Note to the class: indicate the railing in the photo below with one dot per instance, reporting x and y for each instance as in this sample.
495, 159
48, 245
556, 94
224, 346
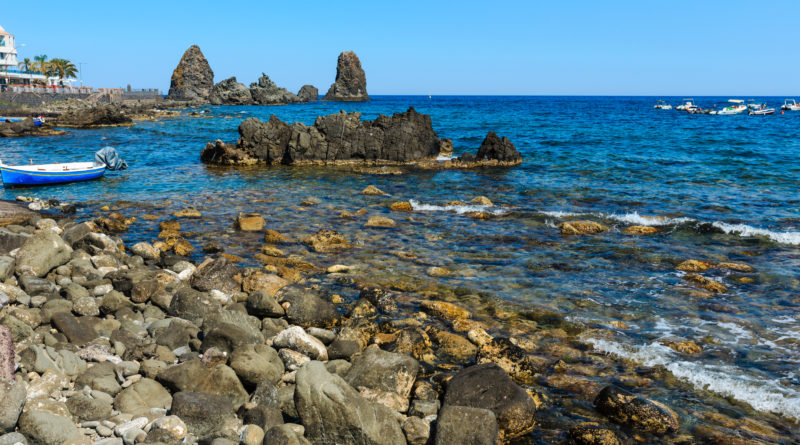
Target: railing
20, 72
51, 89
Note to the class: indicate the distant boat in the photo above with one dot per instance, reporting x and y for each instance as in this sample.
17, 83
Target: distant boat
43, 174
790, 105
756, 109
736, 106
662, 105
686, 105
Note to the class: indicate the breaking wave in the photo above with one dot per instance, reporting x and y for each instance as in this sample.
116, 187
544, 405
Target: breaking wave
459, 209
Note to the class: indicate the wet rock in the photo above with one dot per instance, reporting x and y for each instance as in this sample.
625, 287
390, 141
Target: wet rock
230, 92
11, 403
466, 425
592, 433
250, 222
265, 92
297, 339
510, 357
626, 408
641, 230
326, 241
489, 387
274, 237
332, 411
144, 395
194, 376
256, 363
379, 221
739, 267
41, 253
193, 78
47, 429
680, 345
436, 271
444, 310
402, 206
202, 413
306, 308
351, 81
581, 228
454, 347
695, 266
266, 286
187, 213
146, 251
706, 283
495, 148
373, 191
384, 377
308, 93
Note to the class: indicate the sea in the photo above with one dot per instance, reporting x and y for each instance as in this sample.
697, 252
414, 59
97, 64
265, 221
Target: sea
719, 188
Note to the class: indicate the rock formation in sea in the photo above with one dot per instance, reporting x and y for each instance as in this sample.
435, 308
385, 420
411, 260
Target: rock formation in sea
230, 92
351, 82
308, 93
99, 115
193, 78
265, 92
344, 138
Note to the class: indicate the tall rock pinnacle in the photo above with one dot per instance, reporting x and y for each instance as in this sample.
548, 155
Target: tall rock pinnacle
351, 82
193, 78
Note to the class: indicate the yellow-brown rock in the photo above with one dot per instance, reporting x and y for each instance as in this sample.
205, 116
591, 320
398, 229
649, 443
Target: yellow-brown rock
695, 266
581, 228
481, 201
683, 346
372, 191
454, 347
250, 222
380, 221
271, 251
263, 281
182, 247
641, 230
401, 206
326, 241
169, 234
435, 271
481, 216
740, 267
174, 226
444, 310
232, 258
706, 283
273, 237
187, 213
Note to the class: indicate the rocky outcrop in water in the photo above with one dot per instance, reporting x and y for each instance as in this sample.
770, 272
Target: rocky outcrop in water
193, 78
308, 93
265, 92
230, 92
351, 81
99, 115
344, 138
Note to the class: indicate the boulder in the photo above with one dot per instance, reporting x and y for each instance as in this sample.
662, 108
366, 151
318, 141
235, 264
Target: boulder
308, 93
351, 82
202, 413
14, 213
41, 253
262, 303
306, 308
644, 414
139, 398
85, 407
193, 78
265, 92
100, 115
581, 227
44, 428
384, 377
11, 403
230, 92
296, 339
256, 363
284, 435
10, 240
333, 412
592, 433
489, 387
326, 241
79, 331
195, 376
219, 274
458, 425
495, 148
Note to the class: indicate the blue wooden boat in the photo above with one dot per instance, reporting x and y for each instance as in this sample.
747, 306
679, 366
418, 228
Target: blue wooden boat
43, 174
38, 121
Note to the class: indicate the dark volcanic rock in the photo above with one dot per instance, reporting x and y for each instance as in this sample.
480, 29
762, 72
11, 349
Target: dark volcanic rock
351, 82
488, 386
193, 78
219, 274
308, 93
592, 433
624, 407
100, 115
19, 128
500, 149
230, 92
306, 308
265, 92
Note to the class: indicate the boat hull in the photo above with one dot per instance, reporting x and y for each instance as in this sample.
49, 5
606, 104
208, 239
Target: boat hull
16, 177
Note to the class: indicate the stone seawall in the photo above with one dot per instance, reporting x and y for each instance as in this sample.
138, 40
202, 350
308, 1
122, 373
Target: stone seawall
35, 99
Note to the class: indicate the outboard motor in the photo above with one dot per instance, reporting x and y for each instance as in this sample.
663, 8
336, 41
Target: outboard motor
109, 157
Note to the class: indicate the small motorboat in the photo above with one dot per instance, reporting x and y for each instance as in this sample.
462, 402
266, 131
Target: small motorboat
38, 121
43, 174
790, 105
736, 106
686, 105
759, 109
662, 105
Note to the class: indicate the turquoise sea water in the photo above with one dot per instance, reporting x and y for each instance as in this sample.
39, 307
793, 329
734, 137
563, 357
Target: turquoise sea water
720, 188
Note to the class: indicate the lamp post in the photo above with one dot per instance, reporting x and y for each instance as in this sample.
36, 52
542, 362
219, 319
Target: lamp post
80, 70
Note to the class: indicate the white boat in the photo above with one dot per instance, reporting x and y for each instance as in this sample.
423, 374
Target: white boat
735, 106
755, 109
790, 105
686, 105
662, 105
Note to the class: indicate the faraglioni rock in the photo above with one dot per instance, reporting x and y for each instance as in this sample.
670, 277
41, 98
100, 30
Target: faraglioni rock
265, 92
308, 93
342, 138
193, 78
351, 82
230, 92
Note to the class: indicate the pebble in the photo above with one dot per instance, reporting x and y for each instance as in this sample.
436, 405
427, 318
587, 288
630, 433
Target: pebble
104, 431
137, 423
133, 436
110, 441
173, 424
102, 289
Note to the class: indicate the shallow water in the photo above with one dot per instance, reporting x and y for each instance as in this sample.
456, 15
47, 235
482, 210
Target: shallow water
721, 188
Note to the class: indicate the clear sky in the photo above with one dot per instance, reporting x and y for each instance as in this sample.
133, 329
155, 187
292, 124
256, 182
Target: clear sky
609, 47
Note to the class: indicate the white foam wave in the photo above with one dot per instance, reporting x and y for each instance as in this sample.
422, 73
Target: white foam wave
762, 394
459, 209
644, 220
792, 238
444, 158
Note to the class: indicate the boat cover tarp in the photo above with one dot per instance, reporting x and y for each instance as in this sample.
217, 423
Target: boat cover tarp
109, 157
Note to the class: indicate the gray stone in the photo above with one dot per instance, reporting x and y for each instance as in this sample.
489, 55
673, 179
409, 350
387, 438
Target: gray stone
255, 363
285, 435
11, 403
230, 92
624, 407
417, 431
461, 425
261, 304
297, 339
265, 92
6, 267
194, 376
100, 377
85, 407
384, 377
306, 308
13, 439
34, 286
144, 395
77, 330
217, 274
47, 429
192, 305
308, 93
203, 413
76, 233
10, 240
41, 253
333, 412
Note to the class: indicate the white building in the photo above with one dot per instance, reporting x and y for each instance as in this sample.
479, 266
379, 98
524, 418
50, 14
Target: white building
9, 65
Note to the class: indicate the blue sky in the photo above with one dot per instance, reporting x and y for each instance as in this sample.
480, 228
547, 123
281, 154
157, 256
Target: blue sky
675, 47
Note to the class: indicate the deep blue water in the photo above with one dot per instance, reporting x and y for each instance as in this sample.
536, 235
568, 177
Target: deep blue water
721, 188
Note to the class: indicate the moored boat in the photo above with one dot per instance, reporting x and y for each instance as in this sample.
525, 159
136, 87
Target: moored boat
38, 121
790, 105
43, 174
759, 109
662, 105
686, 105
736, 106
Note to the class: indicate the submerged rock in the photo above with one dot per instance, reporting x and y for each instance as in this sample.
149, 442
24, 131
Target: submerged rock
351, 81
641, 230
230, 92
626, 408
581, 228
193, 78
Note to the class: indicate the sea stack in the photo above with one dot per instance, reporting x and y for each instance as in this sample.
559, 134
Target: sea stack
308, 93
193, 78
230, 92
265, 92
351, 82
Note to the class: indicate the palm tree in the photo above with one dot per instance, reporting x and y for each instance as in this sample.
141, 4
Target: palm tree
25, 64
41, 63
63, 68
